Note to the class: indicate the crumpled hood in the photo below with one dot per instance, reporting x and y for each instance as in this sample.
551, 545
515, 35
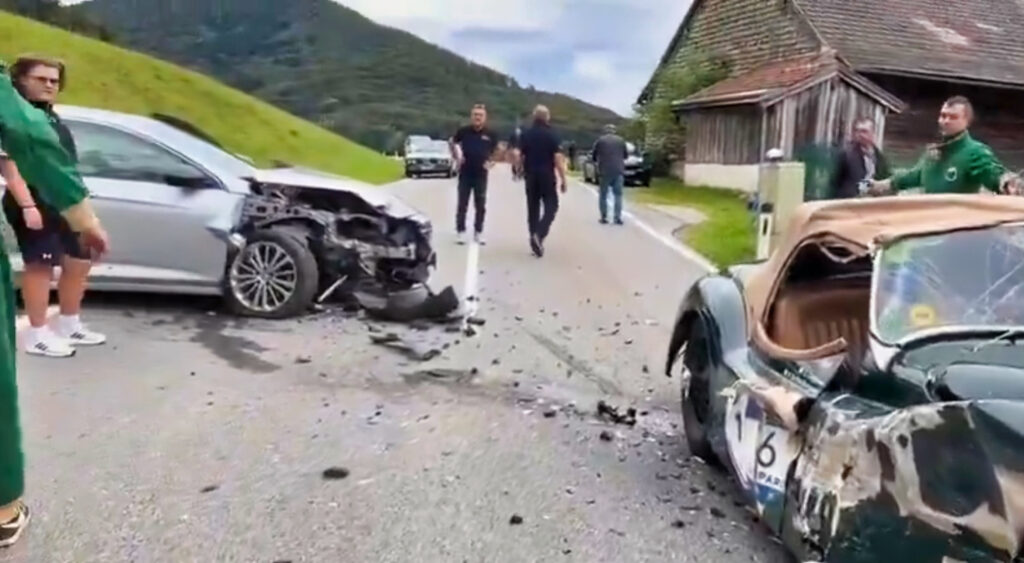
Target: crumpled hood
309, 178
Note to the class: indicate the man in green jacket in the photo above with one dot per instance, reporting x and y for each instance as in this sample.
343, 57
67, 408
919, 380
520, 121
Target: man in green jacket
32, 144
957, 164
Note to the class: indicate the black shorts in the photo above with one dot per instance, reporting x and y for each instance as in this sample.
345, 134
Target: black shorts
46, 246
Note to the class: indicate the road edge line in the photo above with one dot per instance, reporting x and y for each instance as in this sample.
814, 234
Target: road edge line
672, 243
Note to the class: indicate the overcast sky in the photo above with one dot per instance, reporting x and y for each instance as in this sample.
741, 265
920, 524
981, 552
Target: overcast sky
602, 51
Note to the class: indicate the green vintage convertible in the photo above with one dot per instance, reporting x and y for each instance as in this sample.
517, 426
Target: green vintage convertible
865, 384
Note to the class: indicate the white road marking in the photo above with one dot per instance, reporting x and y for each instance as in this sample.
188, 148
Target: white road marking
470, 288
669, 241
21, 322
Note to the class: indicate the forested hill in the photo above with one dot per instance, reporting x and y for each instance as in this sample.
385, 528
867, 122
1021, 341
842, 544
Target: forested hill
329, 64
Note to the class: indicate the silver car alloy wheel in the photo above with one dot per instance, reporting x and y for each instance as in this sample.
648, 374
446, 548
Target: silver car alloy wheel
263, 277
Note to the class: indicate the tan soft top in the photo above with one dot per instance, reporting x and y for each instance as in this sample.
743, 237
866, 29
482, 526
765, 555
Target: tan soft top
857, 224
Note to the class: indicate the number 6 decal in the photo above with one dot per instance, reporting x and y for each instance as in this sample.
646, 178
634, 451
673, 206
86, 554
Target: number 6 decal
766, 451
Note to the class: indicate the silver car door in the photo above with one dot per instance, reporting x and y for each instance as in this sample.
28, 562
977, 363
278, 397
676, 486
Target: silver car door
164, 214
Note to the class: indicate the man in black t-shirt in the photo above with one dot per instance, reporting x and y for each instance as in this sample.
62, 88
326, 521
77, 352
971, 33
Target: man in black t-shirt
474, 146
544, 167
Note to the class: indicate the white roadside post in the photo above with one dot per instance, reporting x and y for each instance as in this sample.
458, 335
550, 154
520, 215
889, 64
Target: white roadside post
767, 189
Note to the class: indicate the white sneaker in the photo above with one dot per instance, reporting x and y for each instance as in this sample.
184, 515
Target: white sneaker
479, 239
460, 238
81, 336
44, 342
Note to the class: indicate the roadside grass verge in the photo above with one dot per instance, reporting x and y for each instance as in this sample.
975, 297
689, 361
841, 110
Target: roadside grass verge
726, 237
104, 76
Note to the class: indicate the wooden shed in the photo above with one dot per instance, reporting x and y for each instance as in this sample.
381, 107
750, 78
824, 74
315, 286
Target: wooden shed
794, 105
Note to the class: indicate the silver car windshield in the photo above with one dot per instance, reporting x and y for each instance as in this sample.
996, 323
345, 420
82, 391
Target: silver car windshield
944, 283
205, 152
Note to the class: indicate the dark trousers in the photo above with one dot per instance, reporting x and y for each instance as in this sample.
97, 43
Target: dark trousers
474, 184
541, 192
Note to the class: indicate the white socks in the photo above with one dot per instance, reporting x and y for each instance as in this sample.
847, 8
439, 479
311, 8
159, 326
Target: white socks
68, 324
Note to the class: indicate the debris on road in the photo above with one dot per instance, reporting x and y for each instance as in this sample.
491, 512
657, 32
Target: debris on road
716, 512
476, 321
608, 412
303, 360
418, 303
335, 473
606, 436
679, 524
413, 350
515, 520
550, 413
439, 374
209, 489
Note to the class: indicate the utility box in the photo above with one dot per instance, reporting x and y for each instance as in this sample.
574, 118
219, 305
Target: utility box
780, 191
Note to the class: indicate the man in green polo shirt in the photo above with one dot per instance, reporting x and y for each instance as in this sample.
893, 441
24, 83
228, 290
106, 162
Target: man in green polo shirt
957, 164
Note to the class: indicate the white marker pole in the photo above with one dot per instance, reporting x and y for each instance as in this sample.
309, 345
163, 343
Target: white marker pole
470, 289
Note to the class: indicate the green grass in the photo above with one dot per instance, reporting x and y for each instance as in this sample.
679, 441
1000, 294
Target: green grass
104, 76
726, 237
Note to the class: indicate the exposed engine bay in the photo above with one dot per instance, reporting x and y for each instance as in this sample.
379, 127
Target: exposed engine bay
350, 237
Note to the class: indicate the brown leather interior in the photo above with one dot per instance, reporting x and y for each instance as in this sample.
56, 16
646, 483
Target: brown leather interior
810, 315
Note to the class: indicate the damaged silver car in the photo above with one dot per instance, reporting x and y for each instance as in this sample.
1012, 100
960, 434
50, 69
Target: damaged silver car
186, 216
865, 384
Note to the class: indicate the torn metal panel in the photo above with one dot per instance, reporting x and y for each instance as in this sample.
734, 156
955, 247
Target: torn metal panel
921, 484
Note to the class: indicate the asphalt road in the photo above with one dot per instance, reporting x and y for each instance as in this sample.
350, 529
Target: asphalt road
194, 436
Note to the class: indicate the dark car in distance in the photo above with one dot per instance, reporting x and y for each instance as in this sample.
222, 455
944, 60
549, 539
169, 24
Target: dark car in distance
638, 169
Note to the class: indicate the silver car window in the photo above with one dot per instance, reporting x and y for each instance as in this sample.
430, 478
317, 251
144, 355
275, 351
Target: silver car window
105, 152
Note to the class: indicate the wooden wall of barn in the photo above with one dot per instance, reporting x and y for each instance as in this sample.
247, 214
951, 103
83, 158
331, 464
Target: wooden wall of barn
999, 119
726, 135
820, 116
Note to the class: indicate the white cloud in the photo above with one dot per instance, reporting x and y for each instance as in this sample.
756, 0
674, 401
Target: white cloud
520, 15
593, 66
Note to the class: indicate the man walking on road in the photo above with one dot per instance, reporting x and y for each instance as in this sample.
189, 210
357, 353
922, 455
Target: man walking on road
610, 154
544, 167
474, 147
859, 163
33, 146
45, 239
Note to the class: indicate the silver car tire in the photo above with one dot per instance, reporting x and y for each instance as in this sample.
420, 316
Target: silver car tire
274, 277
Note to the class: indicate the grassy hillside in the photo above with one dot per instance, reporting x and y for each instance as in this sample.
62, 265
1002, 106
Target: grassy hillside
320, 60
104, 76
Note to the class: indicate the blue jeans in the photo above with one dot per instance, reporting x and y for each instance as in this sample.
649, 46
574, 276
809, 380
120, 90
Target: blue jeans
613, 184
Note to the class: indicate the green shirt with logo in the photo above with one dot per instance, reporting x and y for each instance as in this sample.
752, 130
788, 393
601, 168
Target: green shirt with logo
960, 165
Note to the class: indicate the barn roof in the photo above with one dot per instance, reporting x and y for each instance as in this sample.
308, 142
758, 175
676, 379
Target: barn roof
978, 40
771, 82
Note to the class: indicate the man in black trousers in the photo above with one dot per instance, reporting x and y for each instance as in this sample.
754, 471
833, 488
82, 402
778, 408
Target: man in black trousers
544, 168
474, 147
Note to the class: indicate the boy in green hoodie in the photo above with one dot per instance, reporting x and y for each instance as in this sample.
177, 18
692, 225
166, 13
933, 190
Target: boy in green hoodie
957, 164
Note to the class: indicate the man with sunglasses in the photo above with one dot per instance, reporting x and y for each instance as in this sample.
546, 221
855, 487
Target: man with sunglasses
44, 237
859, 162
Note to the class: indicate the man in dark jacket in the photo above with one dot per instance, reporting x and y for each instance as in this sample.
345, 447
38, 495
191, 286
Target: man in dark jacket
610, 154
861, 160
544, 167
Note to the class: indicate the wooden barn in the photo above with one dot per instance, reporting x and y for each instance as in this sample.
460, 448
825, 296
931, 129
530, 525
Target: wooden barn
801, 71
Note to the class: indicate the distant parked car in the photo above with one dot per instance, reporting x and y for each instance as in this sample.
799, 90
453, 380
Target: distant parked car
434, 157
638, 170
185, 216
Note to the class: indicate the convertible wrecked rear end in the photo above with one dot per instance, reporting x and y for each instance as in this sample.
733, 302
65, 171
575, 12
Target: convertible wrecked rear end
865, 385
